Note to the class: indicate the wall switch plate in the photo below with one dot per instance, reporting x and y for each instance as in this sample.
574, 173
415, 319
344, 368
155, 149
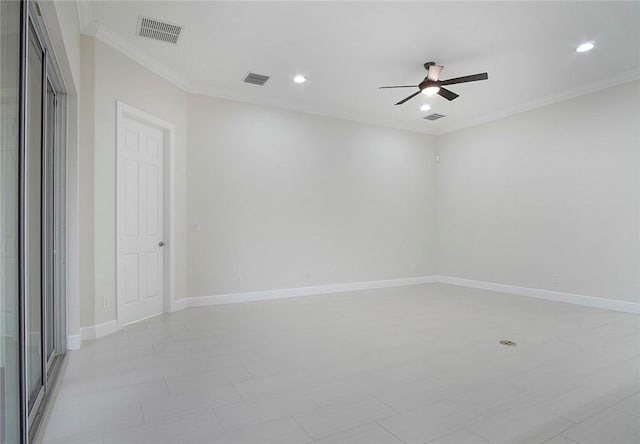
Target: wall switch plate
105, 302
196, 227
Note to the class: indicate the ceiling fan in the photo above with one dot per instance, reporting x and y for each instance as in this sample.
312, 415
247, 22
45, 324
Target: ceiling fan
431, 85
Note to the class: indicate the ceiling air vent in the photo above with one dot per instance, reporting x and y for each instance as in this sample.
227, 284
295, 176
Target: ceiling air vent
158, 30
256, 79
434, 116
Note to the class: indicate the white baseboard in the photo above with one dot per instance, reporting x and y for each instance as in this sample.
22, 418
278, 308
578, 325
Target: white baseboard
550, 295
178, 305
107, 328
99, 330
263, 295
73, 342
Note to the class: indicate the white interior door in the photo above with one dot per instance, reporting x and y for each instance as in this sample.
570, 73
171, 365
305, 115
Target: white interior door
140, 221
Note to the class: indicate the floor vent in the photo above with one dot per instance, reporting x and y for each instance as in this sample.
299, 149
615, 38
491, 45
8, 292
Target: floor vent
434, 116
158, 30
256, 79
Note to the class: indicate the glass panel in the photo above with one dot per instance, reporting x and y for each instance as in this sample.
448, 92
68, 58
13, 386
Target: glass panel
59, 175
9, 192
49, 220
33, 221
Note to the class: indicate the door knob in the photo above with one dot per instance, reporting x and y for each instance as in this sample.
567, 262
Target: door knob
161, 244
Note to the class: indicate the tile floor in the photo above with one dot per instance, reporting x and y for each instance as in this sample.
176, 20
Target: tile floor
413, 364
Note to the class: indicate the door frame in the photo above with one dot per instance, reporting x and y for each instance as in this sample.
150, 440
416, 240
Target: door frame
125, 111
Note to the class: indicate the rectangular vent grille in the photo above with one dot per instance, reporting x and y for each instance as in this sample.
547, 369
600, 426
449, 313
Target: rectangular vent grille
434, 116
158, 30
256, 79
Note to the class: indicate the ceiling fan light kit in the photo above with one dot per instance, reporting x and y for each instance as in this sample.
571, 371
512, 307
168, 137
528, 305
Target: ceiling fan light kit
431, 89
431, 85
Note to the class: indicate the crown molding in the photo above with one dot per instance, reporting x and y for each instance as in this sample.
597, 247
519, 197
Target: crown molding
226, 95
589, 88
100, 32
105, 35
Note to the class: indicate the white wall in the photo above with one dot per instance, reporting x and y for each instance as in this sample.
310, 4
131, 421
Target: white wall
116, 77
551, 191
86, 195
286, 199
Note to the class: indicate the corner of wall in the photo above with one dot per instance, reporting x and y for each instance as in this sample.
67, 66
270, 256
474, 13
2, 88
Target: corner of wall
85, 182
436, 222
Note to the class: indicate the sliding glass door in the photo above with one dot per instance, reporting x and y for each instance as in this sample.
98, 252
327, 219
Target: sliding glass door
50, 202
43, 209
32, 208
10, 19
33, 218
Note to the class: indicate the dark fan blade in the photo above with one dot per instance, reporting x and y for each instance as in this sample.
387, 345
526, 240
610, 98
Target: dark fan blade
404, 86
408, 98
434, 72
449, 95
473, 78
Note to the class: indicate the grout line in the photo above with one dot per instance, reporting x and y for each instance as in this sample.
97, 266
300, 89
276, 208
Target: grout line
475, 434
302, 427
384, 403
389, 431
566, 437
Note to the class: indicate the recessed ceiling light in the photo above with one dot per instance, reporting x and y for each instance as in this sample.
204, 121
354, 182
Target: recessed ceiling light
299, 78
588, 46
425, 107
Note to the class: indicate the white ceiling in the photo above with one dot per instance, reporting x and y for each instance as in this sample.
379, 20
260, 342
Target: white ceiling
347, 50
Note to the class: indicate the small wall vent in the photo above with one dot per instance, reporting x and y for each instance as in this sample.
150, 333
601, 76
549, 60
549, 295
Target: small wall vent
256, 79
434, 116
158, 30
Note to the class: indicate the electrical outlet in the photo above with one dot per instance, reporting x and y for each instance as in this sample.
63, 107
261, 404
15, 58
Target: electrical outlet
196, 227
556, 278
105, 302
